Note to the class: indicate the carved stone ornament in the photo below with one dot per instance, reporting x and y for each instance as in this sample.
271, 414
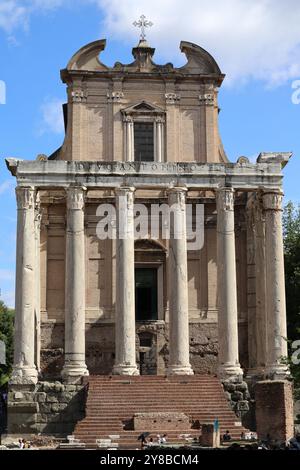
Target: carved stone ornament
226, 199
25, 198
273, 201
79, 96
172, 98
207, 99
177, 196
115, 96
75, 198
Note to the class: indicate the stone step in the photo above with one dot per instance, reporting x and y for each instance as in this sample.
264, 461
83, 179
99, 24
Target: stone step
112, 401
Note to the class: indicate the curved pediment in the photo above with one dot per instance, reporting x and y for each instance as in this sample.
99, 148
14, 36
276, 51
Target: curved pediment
198, 60
87, 58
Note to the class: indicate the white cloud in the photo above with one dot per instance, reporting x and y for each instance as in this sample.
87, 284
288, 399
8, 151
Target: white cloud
6, 186
258, 39
13, 15
16, 13
52, 116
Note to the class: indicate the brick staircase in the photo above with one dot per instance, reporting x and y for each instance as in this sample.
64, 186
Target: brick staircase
113, 400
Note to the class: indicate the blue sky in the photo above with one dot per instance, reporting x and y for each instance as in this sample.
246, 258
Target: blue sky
257, 46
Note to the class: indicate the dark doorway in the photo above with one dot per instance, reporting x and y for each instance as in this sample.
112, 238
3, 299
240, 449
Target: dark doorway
146, 294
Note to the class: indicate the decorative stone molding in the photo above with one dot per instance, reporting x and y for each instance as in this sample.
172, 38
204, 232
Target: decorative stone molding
115, 96
160, 119
41, 157
207, 99
172, 98
38, 212
243, 160
273, 201
127, 118
25, 198
75, 198
62, 174
79, 96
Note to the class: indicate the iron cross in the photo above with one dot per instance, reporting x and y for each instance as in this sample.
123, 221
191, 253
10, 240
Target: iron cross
143, 23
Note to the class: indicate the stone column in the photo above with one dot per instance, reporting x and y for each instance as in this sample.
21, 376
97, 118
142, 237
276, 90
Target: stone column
129, 142
125, 360
227, 298
37, 308
260, 277
275, 286
75, 367
179, 341
24, 369
159, 138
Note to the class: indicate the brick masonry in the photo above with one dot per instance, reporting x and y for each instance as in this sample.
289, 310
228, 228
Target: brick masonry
274, 409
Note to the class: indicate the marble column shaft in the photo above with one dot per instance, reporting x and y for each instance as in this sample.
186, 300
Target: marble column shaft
179, 362
24, 368
125, 358
75, 365
275, 286
227, 295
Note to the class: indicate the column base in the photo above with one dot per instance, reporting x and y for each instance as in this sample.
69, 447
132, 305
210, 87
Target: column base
180, 370
228, 371
277, 372
72, 374
255, 374
125, 370
24, 376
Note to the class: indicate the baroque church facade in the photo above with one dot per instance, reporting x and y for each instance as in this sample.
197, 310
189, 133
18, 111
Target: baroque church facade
146, 134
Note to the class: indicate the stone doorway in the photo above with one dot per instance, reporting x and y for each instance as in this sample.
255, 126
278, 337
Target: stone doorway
147, 353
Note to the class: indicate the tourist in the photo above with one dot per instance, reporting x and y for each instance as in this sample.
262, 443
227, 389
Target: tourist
164, 439
227, 436
143, 441
150, 443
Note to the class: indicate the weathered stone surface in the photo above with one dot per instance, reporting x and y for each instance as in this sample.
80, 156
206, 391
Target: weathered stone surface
209, 436
274, 410
236, 396
242, 405
158, 421
41, 397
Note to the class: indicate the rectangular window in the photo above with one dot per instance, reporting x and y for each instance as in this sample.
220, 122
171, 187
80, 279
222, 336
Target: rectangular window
143, 142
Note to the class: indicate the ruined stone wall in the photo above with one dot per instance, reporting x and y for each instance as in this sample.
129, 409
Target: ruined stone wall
49, 407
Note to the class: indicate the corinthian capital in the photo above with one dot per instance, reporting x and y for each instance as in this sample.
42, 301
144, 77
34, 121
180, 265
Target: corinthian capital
273, 200
75, 198
25, 197
225, 199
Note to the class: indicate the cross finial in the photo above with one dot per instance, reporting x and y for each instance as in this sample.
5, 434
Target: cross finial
143, 23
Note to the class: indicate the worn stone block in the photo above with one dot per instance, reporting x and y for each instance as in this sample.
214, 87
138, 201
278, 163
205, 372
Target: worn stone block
157, 421
274, 409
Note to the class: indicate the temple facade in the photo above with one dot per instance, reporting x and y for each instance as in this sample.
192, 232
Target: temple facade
141, 138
